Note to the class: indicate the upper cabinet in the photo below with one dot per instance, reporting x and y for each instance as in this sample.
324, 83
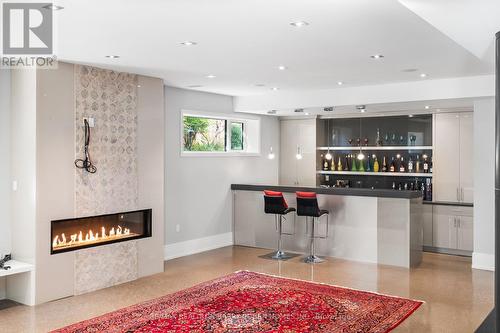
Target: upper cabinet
452, 160
298, 136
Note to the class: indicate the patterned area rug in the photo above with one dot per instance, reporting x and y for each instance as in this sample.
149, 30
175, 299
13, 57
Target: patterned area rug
250, 302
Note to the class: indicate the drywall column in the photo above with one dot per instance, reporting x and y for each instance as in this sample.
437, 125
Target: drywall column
5, 244
484, 184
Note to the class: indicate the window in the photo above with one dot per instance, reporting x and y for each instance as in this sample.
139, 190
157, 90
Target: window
206, 134
237, 136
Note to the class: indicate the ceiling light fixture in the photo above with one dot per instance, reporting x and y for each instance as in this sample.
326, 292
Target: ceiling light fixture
299, 24
260, 85
275, 88
307, 113
340, 83
377, 56
410, 115
271, 112
427, 107
282, 68
211, 76
53, 7
298, 110
423, 75
328, 109
188, 43
361, 108
112, 56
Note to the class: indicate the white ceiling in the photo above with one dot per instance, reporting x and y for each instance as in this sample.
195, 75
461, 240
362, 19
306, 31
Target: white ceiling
243, 42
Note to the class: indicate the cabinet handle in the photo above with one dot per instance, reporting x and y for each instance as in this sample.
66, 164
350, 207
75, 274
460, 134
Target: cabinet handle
459, 224
455, 222
458, 194
462, 192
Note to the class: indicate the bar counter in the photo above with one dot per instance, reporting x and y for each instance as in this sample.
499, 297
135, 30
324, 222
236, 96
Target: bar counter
368, 225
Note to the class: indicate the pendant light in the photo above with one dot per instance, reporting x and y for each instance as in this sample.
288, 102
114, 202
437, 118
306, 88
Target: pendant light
299, 153
328, 156
361, 156
271, 154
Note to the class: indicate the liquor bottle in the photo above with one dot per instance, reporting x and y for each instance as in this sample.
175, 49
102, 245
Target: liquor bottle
339, 165
332, 164
392, 167
430, 165
426, 165
325, 164
410, 165
376, 166
327, 179
406, 186
428, 189
361, 165
384, 165
368, 164
353, 163
417, 164
346, 163
402, 166
422, 189
393, 185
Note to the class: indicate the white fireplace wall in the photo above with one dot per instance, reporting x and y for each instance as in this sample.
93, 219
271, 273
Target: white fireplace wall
57, 275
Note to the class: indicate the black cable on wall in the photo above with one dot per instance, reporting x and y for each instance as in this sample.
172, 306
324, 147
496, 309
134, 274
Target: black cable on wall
86, 162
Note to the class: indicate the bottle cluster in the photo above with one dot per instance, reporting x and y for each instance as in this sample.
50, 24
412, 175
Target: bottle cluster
359, 162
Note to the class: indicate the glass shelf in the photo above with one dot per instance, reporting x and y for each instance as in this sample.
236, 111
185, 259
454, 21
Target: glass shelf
380, 174
355, 148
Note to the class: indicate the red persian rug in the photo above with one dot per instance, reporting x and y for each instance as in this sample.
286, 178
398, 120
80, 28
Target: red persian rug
250, 302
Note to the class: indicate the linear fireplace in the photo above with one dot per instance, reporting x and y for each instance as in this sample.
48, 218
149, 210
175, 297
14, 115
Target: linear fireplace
73, 234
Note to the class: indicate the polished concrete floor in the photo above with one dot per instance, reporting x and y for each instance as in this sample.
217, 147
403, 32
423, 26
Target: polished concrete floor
457, 298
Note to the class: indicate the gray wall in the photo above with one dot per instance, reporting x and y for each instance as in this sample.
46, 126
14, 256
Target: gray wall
484, 183
197, 189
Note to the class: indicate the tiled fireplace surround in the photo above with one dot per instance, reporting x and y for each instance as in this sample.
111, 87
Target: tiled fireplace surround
128, 150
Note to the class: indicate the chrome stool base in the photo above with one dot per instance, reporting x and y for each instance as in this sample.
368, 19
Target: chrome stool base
312, 259
280, 255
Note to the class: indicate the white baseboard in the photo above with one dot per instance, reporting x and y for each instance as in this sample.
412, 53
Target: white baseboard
484, 261
193, 246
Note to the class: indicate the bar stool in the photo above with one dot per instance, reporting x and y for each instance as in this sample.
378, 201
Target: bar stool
275, 203
307, 205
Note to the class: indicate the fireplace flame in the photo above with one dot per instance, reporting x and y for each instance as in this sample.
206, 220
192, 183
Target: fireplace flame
79, 238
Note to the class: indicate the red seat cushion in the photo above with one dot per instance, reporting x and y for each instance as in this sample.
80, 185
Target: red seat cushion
270, 193
306, 194
273, 193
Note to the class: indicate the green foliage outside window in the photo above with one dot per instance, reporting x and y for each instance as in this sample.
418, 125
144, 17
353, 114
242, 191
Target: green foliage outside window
204, 134
236, 136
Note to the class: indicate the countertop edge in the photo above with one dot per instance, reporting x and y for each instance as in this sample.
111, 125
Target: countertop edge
360, 192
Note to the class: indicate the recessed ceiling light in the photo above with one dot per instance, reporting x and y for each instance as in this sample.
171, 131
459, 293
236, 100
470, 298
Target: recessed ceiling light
113, 56
299, 24
188, 43
298, 110
409, 70
53, 7
260, 85
423, 75
282, 67
410, 115
377, 56
328, 109
211, 76
340, 83
275, 88
362, 110
271, 112
307, 113
195, 86
427, 107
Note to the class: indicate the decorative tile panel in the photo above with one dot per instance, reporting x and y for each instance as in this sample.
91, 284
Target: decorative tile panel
111, 99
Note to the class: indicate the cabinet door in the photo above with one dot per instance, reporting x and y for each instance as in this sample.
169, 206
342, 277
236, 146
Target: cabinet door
446, 157
444, 228
465, 233
466, 154
300, 132
427, 217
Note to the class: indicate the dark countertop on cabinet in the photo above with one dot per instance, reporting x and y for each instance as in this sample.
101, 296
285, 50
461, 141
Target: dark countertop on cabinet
360, 192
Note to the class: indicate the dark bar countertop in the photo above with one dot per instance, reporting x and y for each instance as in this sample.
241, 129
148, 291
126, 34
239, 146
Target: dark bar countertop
360, 192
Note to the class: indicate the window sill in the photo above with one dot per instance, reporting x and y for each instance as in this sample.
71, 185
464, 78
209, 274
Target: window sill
219, 154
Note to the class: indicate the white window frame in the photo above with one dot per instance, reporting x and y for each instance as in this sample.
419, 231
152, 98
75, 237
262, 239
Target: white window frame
229, 118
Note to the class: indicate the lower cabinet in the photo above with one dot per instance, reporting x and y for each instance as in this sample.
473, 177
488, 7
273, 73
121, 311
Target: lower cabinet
452, 228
